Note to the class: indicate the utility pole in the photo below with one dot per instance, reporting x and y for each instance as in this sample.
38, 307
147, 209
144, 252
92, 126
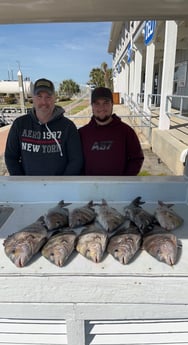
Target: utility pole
21, 91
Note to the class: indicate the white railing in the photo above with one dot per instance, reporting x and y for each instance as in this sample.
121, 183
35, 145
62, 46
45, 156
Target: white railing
138, 117
178, 110
153, 100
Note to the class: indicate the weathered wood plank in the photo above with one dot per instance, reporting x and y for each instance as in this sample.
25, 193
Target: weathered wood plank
37, 311
129, 327
179, 338
75, 332
88, 289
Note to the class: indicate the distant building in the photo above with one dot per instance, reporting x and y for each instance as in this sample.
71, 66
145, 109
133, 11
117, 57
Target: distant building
12, 87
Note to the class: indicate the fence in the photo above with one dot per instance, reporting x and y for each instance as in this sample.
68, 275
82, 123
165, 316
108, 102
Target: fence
138, 117
9, 114
175, 104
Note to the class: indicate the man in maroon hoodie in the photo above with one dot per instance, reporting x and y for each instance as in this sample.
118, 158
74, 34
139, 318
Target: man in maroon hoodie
110, 146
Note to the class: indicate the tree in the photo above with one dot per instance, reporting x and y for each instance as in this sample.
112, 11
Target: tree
108, 80
101, 76
68, 88
96, 77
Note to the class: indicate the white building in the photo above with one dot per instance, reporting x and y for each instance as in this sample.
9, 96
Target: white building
150, 58
12, 87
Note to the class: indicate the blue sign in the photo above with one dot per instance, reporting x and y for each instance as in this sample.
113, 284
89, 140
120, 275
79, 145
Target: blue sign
149, 31
118, 68
129, 53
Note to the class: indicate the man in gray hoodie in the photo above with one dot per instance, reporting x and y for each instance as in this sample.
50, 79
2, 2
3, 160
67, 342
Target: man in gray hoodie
43, 142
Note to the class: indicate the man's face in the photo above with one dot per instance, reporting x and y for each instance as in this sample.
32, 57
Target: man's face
44, 103
102, 109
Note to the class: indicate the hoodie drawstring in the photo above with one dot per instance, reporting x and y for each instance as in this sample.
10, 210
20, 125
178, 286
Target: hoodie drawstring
53, 136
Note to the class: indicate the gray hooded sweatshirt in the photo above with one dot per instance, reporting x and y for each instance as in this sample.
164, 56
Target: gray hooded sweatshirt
37, 149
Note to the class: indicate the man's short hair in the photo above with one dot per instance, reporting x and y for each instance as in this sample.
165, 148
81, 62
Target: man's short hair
101, 92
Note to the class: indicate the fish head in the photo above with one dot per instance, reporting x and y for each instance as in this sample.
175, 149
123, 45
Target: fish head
75, 222
168, 219
92, 251
56, 255
55, 220
144, 221
21, 246
167, 253
59, 247
124, 247
162, 246
122, 255
81, 216
75, 218
19, 254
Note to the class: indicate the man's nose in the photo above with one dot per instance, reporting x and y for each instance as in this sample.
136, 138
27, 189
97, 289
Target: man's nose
44, 100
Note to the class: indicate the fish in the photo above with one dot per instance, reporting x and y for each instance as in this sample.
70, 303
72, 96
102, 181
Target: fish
140, 217
81, 216
57, 217
109, 217
92, 242
21, 246
167, 217
124, 244
163, 246
60, 246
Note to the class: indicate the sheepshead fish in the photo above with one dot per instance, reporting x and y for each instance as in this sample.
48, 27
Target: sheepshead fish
167, 217
59, 247
92, 242
162, 245
80, 216
21, 246
109, 217
124, 244
140, 217
57, 217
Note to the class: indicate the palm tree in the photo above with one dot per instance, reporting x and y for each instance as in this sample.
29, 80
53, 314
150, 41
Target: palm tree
107, 75
68, 88
101, 76
96, 77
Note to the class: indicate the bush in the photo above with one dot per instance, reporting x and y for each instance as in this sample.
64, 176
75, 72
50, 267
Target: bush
10, 100
63, 98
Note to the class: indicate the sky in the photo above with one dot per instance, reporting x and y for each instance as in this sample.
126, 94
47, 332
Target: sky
56, 51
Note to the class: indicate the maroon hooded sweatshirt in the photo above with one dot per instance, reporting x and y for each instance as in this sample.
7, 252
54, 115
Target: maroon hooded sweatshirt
111, 150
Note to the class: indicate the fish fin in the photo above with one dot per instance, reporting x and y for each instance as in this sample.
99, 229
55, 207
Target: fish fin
41, 219
63, 204
161, 203
90, 203
137, 201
